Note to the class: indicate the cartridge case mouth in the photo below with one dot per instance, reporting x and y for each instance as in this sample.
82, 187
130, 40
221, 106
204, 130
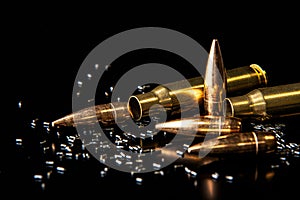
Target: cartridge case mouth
251, 104
239, 80
134, 107
139, 105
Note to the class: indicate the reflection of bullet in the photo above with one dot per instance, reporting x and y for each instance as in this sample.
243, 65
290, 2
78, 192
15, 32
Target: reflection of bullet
239, 80
266, 102
105, 114
236, 143
192, 161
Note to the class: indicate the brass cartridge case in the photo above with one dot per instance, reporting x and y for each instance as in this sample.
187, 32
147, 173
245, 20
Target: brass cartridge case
264, 103
241, 79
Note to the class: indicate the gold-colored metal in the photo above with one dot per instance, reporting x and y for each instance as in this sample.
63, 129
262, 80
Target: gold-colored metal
190, 160
105, 114
215, 82
214, 121
239, 80
238, 143
267, 102
247, 78
200, 126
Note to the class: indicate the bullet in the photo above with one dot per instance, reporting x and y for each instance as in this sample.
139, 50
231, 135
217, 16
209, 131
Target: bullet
105, 114
238, 143
239, 81
199, 126
215, 82
265, 103
214, 120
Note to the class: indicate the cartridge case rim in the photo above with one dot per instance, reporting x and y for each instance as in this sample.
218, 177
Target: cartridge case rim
259, 71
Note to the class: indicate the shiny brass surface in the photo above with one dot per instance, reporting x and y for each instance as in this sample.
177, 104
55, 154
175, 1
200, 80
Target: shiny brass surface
239, 80
214, 91
200, 126
105, 114
215, 82
246, 78
238, 143
267, 102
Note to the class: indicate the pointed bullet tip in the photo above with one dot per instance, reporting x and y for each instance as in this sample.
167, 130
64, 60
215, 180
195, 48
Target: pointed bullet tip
215, 81
215, 42
215, 46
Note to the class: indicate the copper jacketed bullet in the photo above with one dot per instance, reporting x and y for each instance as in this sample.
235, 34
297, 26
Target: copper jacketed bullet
105, 114
238, 143
214, 91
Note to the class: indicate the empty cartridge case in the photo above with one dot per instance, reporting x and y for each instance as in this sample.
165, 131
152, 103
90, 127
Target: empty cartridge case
238, 143
265, 103
241, 79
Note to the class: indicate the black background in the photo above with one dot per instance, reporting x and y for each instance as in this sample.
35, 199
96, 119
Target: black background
44, 47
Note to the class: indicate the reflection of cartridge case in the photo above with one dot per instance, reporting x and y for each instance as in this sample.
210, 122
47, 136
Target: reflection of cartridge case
238, 80
235, 143
105, 114
265, 102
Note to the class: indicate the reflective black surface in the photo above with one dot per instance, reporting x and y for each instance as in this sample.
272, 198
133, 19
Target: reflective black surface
44, 163
53, 162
